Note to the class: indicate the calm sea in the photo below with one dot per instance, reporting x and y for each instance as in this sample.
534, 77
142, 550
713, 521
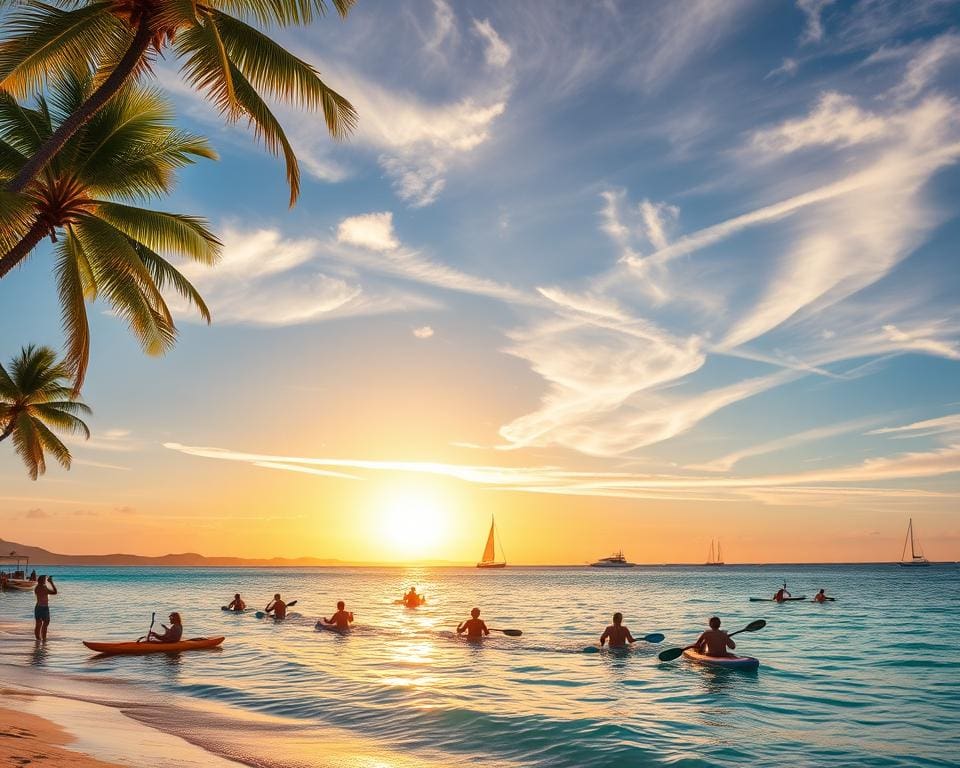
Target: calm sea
870, 680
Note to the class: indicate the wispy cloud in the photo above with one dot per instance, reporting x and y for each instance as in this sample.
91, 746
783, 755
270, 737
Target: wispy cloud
497, 52
941, 425
813, 27
423, 332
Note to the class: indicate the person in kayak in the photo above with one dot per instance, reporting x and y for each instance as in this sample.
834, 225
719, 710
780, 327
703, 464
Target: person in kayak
474, 626
341, 619
412, 599
171, 634
821, 597
782, 593
277, 607
41, 612
237, 604
616, 633
714, 642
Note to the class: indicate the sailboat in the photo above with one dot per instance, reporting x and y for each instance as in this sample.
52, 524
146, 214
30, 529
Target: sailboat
915, 559
489, 559
714, 558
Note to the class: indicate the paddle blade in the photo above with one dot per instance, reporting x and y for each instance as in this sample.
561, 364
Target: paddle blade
510, 632
655, 637
670, 654
753, 626
291, 603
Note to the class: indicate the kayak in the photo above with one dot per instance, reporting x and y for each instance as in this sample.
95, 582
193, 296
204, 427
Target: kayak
411, 605
138, 649
723, 662
262, 615
331, 628
232, 610
771, 600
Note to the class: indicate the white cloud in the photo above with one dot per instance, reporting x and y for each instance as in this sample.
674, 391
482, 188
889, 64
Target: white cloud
788, 68
423, 332
813, 28
497, 52
369, 230
941, 425
836, 120
926, 65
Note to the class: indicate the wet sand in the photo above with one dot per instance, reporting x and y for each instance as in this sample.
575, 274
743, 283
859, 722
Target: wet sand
28, 740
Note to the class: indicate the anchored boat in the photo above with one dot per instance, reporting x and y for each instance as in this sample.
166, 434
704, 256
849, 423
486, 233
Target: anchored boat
714, 558
915, 558
13, 573
616, 560
489, 559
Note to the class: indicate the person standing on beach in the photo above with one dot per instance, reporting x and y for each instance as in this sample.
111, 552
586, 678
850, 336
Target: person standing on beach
616, 633
277, 606
341, 619
45, 587
474, 626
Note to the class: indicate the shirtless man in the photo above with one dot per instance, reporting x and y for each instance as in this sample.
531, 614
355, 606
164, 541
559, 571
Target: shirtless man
237, 603
474, 626
821, 597
277, 606
341, 619
782, 593
412, 599
714, 642
616, 633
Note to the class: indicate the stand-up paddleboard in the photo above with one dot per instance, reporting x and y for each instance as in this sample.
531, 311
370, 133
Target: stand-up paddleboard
722, 662
771, 600
262, 615
139, 649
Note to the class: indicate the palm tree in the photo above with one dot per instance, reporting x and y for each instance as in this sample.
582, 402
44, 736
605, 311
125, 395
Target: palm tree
231, 62
127, 152
34, 397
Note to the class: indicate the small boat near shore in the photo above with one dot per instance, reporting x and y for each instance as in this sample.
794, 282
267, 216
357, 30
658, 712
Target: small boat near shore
616, 560
13, 574
140, 649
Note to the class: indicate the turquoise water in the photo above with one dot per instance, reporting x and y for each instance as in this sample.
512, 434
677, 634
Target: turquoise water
872, 679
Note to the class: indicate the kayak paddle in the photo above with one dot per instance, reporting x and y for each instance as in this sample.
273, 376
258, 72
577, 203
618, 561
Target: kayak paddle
507, 632
153, 618
656, 637
674, 653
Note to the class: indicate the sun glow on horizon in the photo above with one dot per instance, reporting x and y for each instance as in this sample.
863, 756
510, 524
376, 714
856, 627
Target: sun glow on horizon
412, 523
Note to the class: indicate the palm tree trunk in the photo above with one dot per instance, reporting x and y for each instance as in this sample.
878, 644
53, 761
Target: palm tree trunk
20, 251
98, 99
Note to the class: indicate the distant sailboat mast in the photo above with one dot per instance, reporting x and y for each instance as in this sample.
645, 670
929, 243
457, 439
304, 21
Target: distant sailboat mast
489, 559
915, 559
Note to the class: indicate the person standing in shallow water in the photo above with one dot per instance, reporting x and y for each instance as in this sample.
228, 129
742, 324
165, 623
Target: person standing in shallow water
474, 626
45, 587
616, 633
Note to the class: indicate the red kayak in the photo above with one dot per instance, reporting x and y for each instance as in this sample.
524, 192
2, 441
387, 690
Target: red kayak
139, 649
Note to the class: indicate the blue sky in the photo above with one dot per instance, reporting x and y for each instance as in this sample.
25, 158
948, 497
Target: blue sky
671, 256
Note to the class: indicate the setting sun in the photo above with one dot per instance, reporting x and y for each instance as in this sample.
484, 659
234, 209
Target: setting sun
412, 523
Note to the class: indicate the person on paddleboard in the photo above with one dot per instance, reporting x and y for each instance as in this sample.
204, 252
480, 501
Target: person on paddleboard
714, 642
277, 607
474, 626
412, 599
616, 633
821, 597
237, 604
41, 612
171, 634
782, 593
341, 619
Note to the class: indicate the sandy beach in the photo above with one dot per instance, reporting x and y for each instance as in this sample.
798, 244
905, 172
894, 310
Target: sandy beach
26, 739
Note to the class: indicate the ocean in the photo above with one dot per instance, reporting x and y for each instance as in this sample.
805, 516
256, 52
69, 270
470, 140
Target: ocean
872, 679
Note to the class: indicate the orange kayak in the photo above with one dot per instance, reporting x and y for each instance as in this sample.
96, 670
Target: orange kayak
138, 649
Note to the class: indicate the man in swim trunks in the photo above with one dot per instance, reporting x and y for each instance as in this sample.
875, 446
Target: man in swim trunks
277, 606
714, 642
237, 603
45, 587
474, 626
341, 619
782, 593
616, 633
171, 634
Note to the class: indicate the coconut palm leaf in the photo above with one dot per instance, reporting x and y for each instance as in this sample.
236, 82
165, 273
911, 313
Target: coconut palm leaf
33, 402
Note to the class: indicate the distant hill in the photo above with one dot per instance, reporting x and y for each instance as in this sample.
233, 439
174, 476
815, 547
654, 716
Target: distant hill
40, 556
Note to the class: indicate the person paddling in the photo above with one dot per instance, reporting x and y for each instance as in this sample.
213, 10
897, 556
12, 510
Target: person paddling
412, 599
237, 604
821, 597
474, 626
714, 642
45, 587
277, 607
616, 633
171, 634
341, 619
782, 593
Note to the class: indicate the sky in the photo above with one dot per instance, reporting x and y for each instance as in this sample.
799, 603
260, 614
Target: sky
626, 275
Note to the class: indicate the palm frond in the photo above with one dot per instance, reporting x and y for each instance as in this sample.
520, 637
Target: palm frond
44, 42
273, 70
71, 264
206, 66
164, 232
282, 13
165, 273
52, 444
60, 418
26, 442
